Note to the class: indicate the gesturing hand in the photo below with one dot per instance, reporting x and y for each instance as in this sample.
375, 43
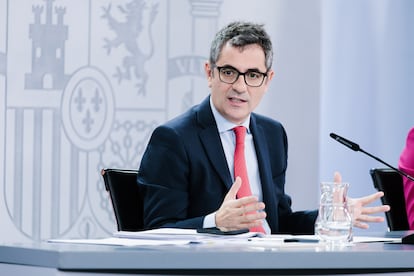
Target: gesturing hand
241, 213
362, 213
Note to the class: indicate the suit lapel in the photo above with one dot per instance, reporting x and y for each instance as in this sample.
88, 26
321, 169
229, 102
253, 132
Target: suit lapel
210, 139
263, 160
262, 153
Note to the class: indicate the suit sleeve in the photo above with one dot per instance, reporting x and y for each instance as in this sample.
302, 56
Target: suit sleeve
299, 222
164, 182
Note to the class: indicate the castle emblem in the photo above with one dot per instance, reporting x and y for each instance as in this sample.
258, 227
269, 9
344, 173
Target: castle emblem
48, 49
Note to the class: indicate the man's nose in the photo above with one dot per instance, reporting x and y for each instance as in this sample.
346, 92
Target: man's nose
240, 85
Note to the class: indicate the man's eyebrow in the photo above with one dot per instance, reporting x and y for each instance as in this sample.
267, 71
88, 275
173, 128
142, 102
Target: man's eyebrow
248, 70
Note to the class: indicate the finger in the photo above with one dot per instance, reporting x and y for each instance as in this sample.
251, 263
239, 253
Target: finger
366, 218
243, 210
251, 220
370, 198
253, 216
248, 200
361, 225
251, 224
252, 208
247, 225
231, 194
337, 177
375, 209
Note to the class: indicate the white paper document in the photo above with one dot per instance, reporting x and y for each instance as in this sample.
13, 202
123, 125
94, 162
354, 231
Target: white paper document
359, 239
121, 241
162, 236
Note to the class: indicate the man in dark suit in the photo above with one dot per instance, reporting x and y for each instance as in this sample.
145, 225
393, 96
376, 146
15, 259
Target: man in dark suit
186, 173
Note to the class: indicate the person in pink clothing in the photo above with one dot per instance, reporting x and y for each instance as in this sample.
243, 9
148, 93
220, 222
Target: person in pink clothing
406, 164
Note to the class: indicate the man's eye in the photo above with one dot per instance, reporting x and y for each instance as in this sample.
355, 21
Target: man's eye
253, 75
227, 72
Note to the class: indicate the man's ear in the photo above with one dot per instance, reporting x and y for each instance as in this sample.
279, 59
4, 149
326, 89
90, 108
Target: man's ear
209, 73
207, 69
269, 78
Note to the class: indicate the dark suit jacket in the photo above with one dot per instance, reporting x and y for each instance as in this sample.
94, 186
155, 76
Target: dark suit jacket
184, 174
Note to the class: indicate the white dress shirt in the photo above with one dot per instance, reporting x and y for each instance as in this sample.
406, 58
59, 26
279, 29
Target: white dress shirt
228, 140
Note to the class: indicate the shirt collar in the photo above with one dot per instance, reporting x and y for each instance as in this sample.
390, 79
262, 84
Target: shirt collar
223, 124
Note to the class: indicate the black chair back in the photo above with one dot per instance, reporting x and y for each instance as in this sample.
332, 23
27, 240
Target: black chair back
391, 183
124, 193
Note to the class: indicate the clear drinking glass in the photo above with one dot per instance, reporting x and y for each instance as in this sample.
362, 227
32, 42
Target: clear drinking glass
334, 222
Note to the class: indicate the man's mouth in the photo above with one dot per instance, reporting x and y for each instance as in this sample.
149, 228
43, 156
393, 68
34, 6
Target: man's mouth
237, 100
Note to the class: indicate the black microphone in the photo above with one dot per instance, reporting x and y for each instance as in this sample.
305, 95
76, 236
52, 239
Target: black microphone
356, 147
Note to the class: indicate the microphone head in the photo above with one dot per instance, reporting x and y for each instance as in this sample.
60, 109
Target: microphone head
346, 142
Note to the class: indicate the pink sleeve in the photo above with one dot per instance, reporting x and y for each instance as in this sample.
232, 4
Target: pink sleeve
406, 164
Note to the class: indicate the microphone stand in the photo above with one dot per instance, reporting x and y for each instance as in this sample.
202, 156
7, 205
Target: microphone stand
355, 147
386, 164
407, 239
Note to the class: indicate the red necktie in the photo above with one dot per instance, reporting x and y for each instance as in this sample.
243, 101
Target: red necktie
240, 168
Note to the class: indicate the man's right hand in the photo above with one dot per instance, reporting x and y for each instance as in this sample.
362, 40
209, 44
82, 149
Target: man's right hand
241, 213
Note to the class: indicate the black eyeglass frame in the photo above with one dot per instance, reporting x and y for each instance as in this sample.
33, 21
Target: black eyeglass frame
219, 68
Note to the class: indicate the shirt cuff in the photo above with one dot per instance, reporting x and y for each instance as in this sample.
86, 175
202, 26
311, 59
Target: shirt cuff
210, 220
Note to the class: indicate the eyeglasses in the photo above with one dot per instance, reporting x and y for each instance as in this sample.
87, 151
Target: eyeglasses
229, 74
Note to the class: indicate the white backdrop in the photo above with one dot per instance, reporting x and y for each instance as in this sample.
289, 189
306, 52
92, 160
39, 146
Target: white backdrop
87, 94
366, 85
